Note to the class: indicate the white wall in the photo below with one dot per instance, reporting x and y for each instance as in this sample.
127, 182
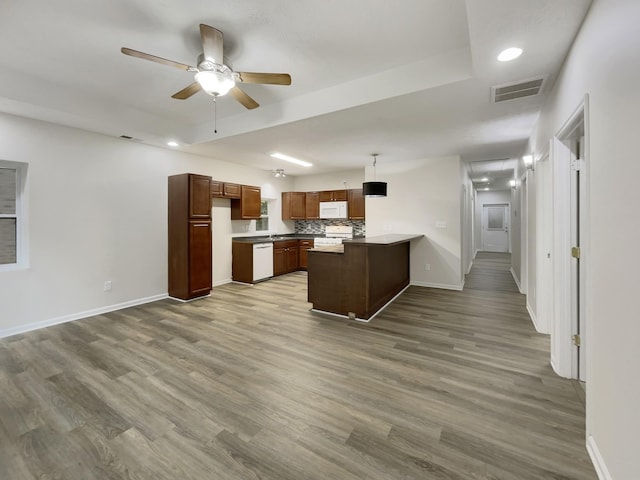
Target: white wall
97, 212
605, 63
419, 194
329, 181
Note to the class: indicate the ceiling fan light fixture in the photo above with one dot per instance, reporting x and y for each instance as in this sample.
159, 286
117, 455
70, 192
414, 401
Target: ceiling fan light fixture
216, 82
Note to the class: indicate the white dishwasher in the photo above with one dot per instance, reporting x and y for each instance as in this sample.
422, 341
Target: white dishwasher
262, 261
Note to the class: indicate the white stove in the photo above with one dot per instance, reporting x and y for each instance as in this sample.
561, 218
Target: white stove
334, 235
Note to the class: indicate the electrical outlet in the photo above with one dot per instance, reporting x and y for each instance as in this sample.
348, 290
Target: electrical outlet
427, 267
107, 286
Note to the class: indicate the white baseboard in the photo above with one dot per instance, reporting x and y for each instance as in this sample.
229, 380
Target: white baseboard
475, 253
444, 286
515, 278
77, 316
597, 460
469, 267
222, 282
533, 318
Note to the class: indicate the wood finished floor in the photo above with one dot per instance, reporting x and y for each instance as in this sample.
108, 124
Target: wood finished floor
248, 384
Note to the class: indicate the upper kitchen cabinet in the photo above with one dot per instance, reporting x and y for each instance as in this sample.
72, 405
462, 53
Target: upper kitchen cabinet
189, 236
225, 190
293, 205
356, 204
247, 207
312, 206
199, 195
333, 196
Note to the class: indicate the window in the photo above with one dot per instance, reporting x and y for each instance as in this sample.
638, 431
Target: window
263, 222
11, 221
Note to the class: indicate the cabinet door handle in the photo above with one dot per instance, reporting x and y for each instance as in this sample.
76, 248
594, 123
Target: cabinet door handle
200, 224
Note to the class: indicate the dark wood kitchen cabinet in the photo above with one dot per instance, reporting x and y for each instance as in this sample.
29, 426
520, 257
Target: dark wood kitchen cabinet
247, 207
189, 236
304, 246
356, 204
312, 206
333, 196
293, 205
285, 257
225, 190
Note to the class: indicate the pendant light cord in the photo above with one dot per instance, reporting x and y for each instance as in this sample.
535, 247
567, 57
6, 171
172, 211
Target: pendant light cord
375, 160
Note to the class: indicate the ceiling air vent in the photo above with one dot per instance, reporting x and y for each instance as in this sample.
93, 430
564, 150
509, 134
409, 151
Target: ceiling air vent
516, 90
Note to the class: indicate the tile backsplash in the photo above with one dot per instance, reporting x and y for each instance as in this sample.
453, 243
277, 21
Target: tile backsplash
317, 226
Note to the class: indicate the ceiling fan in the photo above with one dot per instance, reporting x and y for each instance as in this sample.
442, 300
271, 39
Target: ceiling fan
211, 75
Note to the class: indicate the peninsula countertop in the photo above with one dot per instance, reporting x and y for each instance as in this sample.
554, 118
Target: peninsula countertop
390, 239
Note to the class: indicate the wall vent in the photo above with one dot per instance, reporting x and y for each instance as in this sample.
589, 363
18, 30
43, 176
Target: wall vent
522, 89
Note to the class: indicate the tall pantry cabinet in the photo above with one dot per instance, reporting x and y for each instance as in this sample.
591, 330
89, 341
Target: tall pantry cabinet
189, 236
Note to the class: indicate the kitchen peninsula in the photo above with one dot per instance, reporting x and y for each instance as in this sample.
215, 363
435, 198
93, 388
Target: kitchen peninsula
359, 277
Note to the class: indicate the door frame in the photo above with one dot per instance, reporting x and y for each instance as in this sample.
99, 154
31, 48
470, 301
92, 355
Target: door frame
568, 359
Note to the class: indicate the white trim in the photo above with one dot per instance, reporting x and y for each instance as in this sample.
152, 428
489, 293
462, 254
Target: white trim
515, 278
363, 320
533, 318
597, 460
77, 316
475, 253
445, 286
554, 366
222, 282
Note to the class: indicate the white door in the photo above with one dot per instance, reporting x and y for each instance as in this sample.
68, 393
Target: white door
495, 228
568, 336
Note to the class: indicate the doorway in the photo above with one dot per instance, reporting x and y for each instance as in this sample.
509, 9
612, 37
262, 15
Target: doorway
569, 154
495, 228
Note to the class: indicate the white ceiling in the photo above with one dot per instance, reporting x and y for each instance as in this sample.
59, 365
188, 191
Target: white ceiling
407, 79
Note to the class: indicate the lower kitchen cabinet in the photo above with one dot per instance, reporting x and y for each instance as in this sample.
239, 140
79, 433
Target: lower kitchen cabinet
285, 257
305, 245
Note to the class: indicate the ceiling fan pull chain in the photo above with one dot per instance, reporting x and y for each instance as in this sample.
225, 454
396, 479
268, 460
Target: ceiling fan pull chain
215, 116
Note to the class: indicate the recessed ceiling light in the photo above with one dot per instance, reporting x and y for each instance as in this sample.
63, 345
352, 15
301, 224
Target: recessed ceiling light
509, 54
486, 189
484, 179
287, 158
172, 143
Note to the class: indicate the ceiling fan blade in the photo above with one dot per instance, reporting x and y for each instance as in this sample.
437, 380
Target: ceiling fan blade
153, 58
243, 98
212, 43
187, 91
265, 78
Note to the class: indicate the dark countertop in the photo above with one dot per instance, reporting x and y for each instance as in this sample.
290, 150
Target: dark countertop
276, 238
391, 239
